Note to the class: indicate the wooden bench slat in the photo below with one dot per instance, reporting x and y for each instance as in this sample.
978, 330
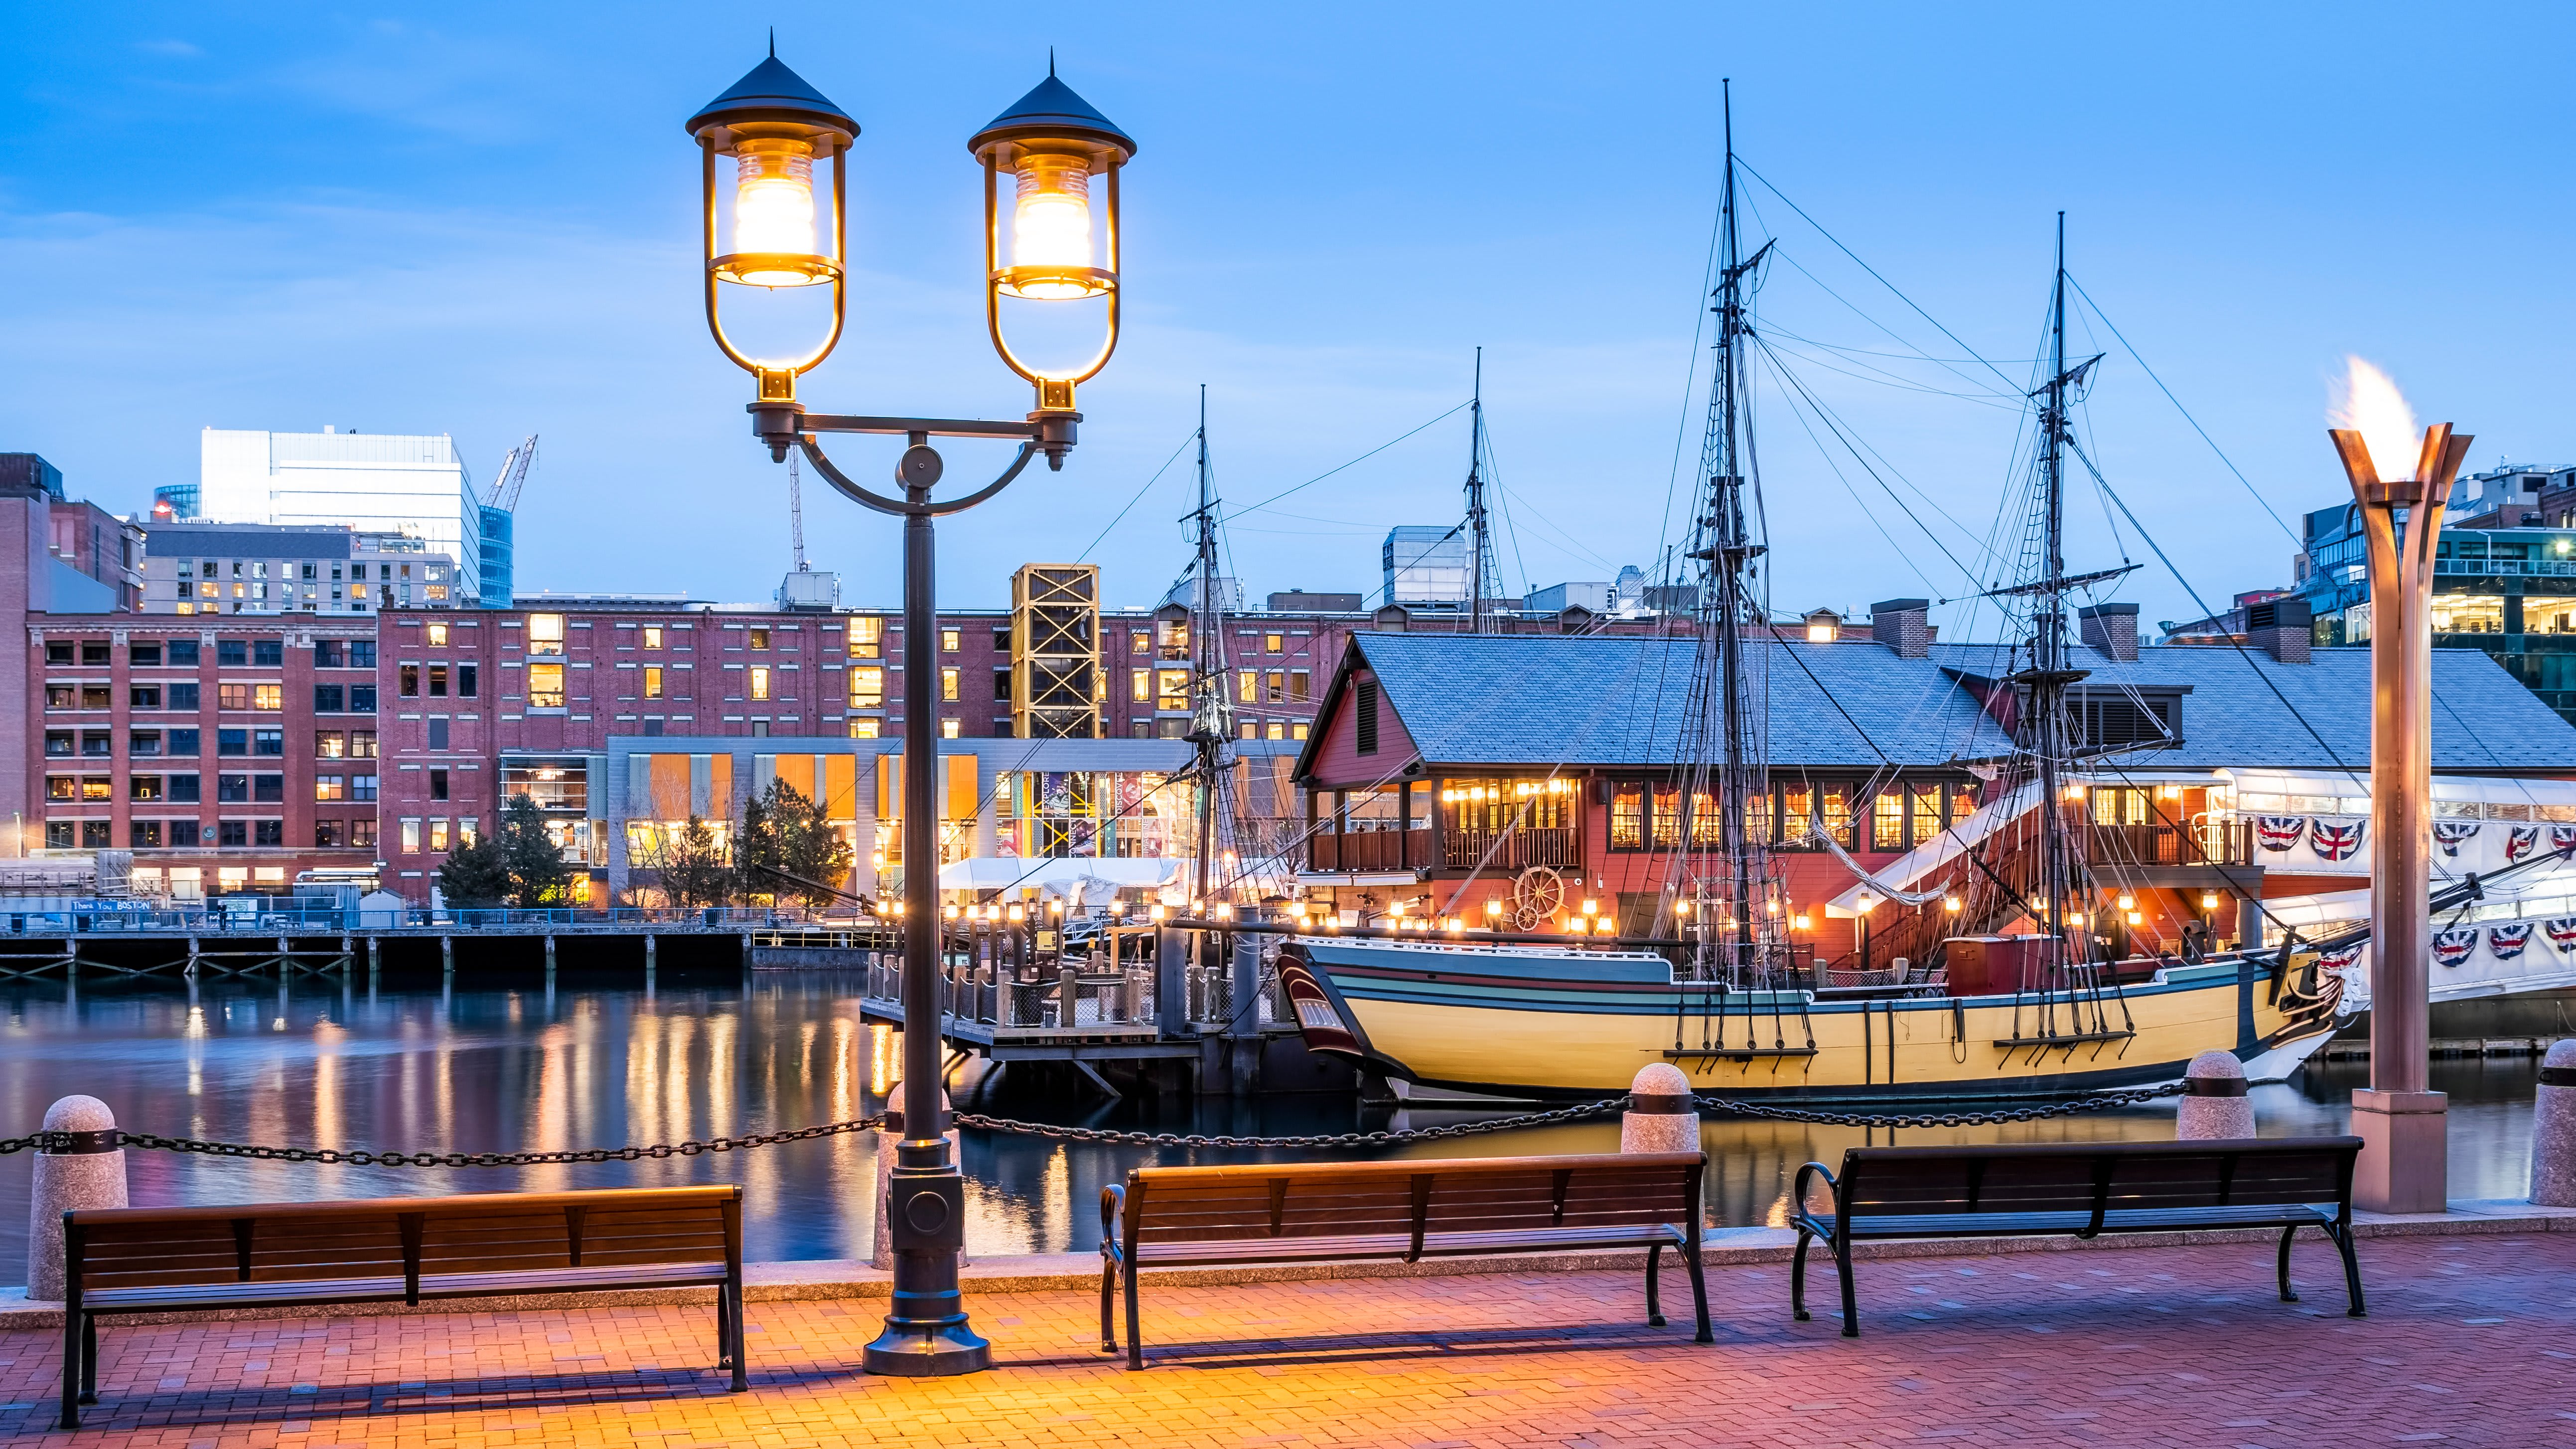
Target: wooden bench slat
176, 1298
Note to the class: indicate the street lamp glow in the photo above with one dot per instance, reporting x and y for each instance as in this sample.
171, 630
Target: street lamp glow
1051, 231
773, 214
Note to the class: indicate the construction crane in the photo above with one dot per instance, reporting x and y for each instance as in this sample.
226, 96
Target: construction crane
513, 476
795, 512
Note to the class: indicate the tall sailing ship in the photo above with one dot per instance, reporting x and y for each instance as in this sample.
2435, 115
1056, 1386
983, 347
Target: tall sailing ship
2021, 995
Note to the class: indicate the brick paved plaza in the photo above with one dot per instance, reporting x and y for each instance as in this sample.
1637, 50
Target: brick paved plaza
2471, 1340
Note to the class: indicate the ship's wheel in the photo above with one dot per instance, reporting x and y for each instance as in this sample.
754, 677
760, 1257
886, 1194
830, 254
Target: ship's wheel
1537, 894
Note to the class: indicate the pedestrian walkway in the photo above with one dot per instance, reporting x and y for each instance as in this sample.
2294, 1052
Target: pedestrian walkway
2471, 1340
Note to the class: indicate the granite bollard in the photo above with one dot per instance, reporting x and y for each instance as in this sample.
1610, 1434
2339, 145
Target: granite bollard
2214, 1104
1660, 1115
85, 1169
2553, 1129
881, 1254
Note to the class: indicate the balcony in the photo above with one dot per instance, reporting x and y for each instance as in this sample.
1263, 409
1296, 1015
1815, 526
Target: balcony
1511, 850
1372, 850
2204, 842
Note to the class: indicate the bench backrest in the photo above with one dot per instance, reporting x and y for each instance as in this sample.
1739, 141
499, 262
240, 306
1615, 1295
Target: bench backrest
2095, 1176
401, 1237
1418, 1196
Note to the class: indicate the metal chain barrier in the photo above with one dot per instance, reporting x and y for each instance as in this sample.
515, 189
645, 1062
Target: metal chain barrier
360, 1157
2097, 1102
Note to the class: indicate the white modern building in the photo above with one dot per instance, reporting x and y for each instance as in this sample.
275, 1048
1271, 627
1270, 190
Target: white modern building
390, 483
247, 568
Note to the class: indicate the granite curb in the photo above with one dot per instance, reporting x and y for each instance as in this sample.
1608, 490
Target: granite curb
846, 1278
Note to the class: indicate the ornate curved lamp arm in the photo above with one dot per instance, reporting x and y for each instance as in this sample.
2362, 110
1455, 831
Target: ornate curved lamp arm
869, 497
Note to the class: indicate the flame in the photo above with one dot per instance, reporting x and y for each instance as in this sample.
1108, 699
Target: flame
2370, 404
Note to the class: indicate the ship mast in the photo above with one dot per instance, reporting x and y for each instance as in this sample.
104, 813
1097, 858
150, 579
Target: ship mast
1481, 567
1209, 731
1731, 703
2060, 858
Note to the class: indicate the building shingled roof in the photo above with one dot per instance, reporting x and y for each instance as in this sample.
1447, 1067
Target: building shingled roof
1623, 699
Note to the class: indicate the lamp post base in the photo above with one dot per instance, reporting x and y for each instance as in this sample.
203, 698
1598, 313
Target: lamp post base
2405, 1163
927, 1349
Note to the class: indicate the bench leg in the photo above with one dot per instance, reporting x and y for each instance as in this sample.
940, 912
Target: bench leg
1654, 1294
2351, 1273
1699, 1293
1851, 1306
724, 1327
1108, 1303
2288, 1294
1135, 1327
71, 1367
89, 1358
1798, 1278
741, 1360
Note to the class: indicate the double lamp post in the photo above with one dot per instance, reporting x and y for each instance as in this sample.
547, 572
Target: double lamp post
1056, 151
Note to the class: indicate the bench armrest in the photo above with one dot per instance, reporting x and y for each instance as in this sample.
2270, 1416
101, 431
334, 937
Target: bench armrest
1798, 1191
1113, 1202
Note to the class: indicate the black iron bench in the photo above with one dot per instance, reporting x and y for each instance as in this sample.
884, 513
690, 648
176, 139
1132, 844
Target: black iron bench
1405, 1210
394, 1250
2083, 1189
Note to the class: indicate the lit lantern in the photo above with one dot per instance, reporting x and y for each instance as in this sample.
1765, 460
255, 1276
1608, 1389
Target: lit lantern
1157, 912
1494, 907
1682, 909
1591, 907
774, 127
1063, 239
1224, 911
2209, 900
1953, 904
2127, 901
1018, 914
2137, 918
1803, 923
2075, 918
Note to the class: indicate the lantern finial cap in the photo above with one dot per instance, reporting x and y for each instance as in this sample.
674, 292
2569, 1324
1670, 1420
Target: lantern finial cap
1053, 112
773, 94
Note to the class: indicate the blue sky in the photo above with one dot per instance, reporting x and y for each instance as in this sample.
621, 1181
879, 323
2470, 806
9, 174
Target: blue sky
478, 219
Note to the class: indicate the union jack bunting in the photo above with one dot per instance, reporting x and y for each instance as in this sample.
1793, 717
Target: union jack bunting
2452, 948
2449, 833
2341, 960
2562, 837
2562, 933
2335, 842
2520, 841
2279, 832
2506, 942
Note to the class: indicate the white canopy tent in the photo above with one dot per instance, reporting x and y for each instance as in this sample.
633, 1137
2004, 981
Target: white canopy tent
1083, 880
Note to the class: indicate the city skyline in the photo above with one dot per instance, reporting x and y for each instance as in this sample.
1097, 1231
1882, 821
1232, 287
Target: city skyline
544, 281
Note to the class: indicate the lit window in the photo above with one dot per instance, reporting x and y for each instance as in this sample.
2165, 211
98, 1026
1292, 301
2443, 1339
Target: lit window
867, 688
411, 835
652, 636
1300, 686
948, 684
545, 633
438, 636
1173, 689
1247, 686
331, 744
760, 679
1887, 821
948, 643
438, 835
948, 729
1273, 644
1276, 686
330, 787
652, 681
232, 696
867, 635
759, 638
1143, 681
545, 686
1278, 729
863, 729
1140, 644
268, 696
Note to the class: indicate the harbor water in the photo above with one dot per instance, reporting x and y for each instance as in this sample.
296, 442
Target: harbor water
324, 1062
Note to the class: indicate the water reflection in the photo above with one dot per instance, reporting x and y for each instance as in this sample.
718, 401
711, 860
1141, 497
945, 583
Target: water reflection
331, 1064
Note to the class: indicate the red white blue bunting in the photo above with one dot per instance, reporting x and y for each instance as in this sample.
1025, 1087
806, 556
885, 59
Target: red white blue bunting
2279, 832
2333, 841
2562, 838
2562, 933
2520, 841
2341, 960
2449, 834
2506, 942
2452, 948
